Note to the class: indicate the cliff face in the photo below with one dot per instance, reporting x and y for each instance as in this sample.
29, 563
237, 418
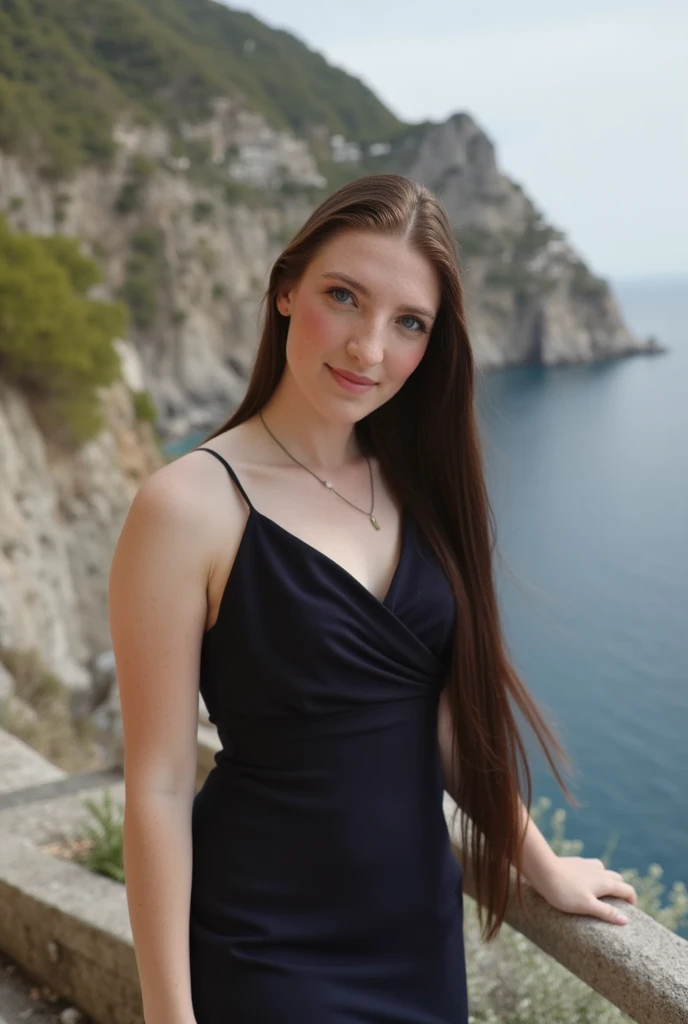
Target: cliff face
191, 251
186, 221
191, 262
530, 298
59, 520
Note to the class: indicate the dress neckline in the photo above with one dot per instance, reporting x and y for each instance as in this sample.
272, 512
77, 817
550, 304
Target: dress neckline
382, 602
255, 517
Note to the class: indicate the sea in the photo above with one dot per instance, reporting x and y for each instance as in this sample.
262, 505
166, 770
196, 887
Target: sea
587, 470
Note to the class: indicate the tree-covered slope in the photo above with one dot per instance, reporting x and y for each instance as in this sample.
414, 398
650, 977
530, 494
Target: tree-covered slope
67, 68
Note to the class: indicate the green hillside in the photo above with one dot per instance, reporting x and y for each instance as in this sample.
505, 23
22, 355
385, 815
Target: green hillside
67, 67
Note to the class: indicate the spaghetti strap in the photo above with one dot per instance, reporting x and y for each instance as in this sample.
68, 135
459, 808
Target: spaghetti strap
231, 472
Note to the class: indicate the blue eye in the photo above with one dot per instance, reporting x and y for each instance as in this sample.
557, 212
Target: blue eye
332, 291
421, 329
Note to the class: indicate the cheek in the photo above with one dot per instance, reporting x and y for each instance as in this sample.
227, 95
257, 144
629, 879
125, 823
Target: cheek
311, 333
405, 360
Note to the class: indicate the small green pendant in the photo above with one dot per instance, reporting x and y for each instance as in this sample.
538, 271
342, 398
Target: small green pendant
375, 522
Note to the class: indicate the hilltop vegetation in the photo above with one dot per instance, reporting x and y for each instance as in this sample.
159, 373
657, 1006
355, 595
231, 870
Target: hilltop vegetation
67, 68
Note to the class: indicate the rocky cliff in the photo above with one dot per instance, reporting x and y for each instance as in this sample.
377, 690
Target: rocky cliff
185, 218
190, 252
60, 515
531, 298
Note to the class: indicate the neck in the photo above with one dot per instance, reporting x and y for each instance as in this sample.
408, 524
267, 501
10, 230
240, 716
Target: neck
324, 445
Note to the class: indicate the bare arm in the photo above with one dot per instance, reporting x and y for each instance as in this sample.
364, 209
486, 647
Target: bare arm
157, 616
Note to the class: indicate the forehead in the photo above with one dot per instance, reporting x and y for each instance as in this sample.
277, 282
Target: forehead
383, 263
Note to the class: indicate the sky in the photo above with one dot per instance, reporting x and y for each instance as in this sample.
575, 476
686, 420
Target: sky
585, 102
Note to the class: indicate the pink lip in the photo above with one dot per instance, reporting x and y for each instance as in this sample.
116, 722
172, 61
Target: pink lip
351, 381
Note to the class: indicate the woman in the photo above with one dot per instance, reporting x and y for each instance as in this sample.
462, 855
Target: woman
321, 567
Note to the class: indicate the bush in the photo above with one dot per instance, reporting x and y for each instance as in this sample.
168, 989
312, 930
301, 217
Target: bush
141, 169
146, 273
144, 406
585, 285
55, 342
238, 193
512, 981
202, 210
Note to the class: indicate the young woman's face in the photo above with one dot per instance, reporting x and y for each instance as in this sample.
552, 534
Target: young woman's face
361, 317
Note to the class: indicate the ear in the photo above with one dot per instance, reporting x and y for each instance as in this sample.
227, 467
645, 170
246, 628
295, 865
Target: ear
283, 302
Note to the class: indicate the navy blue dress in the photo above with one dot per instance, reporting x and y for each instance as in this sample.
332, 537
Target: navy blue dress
324, 888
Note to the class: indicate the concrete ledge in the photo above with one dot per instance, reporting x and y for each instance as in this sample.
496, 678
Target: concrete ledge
640, 967
21, 765
70, 928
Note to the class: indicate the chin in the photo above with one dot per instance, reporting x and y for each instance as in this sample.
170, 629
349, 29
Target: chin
345, 412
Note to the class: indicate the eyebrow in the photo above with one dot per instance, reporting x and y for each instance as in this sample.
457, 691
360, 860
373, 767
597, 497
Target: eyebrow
366, 291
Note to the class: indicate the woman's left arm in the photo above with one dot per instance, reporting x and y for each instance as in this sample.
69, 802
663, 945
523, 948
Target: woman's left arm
572, 884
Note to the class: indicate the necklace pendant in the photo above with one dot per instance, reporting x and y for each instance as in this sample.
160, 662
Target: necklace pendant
328, 484
375, 522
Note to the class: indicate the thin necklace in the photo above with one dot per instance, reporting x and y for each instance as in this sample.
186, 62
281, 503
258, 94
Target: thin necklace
328, 483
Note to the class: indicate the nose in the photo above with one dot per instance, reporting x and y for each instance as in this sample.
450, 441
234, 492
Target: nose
367, 344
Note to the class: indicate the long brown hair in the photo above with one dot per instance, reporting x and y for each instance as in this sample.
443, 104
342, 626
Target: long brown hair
426, 440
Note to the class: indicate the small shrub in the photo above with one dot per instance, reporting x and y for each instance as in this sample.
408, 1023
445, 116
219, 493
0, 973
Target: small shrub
219, 291
104, 852
199, 151
202, 210
144, 406
238, 193
146, 274
585, 285
473, 241
140, 294
148, 242
140, 171
129, 198
512, 981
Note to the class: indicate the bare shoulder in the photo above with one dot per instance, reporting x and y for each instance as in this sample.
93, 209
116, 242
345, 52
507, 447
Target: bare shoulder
190, 499
165, 556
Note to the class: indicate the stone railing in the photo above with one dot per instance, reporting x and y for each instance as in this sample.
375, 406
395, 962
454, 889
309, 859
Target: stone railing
70, 928
640, 967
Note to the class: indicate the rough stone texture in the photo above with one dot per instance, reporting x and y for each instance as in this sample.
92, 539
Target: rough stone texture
196, 355
23, 998
7, 687
70, 928
57, 818
556, 324
60, 515
641, 967
22, 766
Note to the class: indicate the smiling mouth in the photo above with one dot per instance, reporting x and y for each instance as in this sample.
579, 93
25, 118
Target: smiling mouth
354, 379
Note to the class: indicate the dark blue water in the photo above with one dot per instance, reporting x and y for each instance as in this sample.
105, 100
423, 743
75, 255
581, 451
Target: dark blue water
588, 475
